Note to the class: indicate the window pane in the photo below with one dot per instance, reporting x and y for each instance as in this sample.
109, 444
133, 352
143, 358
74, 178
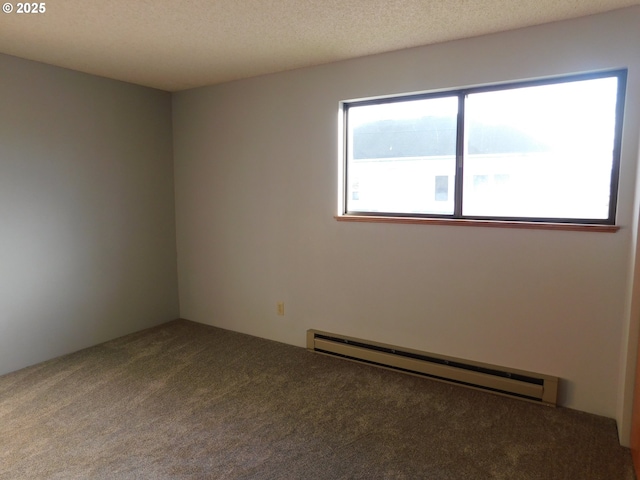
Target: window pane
442, 188
401, 156
543, 151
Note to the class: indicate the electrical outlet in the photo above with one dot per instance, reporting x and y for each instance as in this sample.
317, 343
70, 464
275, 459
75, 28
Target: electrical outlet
280, 308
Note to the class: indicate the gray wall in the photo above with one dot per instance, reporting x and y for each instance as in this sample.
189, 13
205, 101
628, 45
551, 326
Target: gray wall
256, 191
87, 242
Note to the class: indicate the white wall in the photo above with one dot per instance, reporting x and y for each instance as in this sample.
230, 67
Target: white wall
256, 192
87, 243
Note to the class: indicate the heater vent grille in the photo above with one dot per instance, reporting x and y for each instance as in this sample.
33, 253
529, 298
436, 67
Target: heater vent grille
504, 381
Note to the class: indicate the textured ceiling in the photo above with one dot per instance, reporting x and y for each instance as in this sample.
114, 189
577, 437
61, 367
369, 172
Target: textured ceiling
179, 44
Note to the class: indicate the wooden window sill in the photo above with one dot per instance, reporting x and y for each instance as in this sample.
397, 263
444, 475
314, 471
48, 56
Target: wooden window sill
576, 227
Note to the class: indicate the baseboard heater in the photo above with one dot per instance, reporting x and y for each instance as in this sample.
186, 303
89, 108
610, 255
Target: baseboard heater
503, 381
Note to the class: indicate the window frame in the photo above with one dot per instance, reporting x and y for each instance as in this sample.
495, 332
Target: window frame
457, 217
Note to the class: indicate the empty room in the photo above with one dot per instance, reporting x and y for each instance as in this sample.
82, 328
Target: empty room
326, 240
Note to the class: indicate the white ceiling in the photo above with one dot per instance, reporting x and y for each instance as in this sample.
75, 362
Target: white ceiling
179, 44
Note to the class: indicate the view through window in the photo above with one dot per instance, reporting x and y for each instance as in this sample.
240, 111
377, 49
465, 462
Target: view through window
537, 151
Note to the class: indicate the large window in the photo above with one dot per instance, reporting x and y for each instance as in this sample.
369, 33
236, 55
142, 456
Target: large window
540, 151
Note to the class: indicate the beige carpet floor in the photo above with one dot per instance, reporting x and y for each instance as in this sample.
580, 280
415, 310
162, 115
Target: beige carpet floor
185, 400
